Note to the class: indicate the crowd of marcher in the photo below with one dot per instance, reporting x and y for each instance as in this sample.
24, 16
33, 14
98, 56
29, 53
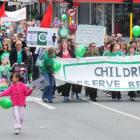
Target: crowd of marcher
16, 56
113, 46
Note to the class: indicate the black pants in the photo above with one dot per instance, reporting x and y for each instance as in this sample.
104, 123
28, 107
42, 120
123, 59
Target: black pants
132, 94
65, 89
116, 95
92, 92
76, 88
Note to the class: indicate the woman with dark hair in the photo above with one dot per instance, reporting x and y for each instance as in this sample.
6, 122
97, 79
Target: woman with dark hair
67, 52
115, 51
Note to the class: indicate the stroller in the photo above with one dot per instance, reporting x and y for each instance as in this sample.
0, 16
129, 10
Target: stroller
22, 69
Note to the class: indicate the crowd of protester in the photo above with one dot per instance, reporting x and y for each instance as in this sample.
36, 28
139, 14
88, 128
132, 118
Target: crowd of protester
16, 56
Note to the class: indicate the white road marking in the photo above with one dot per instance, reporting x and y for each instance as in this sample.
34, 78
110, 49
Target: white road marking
39, 101
117, 111
114, 110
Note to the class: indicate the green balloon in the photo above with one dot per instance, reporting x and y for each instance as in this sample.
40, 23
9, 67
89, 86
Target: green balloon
80, 51
6, 103
64, 17
136, 31
56, 66
63, 32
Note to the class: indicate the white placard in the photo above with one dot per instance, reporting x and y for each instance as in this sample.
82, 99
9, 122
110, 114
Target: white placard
87, 34
42, 37
15, 16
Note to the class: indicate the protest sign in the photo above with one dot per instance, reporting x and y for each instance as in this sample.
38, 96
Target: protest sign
106, 73
42, 37
87, 34
15, 15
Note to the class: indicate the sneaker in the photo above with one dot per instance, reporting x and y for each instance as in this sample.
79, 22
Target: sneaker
45, 100
20, 129
72, 95
108, 94
132, 99
50, 101
66, 99
119, 99
17, 131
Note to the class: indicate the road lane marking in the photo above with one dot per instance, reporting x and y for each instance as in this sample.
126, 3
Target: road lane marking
40, 102
114, 110
117, 111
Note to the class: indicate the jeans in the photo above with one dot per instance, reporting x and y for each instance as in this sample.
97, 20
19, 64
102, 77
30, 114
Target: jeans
49, 90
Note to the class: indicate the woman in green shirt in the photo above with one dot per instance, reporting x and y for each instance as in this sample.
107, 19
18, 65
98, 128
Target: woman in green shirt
115, 51
131, 52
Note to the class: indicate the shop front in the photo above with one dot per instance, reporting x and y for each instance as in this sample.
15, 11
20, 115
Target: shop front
112, 14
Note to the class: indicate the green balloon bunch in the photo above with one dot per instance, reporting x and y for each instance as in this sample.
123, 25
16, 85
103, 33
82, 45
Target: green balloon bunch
80, 51
5, 103
136, 31
56, 66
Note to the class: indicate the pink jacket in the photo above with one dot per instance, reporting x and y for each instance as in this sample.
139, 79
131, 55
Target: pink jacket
18, 93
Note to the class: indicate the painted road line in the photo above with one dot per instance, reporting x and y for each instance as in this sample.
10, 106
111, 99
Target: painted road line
114, 110
40, 102
117, 111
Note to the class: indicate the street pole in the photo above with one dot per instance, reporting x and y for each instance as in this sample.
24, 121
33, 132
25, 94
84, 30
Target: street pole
113, 18
131, 26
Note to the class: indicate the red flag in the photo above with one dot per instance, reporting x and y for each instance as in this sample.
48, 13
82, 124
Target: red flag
2, 10
47, 18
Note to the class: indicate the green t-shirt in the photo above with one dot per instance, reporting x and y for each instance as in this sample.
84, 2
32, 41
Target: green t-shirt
118, 53
136, 53
19, 57
106, 53
47, 64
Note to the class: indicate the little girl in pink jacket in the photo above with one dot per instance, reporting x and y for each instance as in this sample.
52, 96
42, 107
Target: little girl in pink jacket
18, 92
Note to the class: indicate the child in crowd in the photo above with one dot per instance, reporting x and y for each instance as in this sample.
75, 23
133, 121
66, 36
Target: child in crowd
4, 73
5, 69
18, 92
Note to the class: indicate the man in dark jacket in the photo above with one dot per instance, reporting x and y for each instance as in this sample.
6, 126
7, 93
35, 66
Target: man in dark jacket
18, 55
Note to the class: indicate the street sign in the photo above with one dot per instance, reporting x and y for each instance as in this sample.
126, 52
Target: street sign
71, 12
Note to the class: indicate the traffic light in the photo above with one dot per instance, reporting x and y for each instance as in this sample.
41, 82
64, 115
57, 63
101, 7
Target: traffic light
129, 4
70, 3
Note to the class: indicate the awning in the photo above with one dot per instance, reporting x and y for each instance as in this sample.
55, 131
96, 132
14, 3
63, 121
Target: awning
104, 1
